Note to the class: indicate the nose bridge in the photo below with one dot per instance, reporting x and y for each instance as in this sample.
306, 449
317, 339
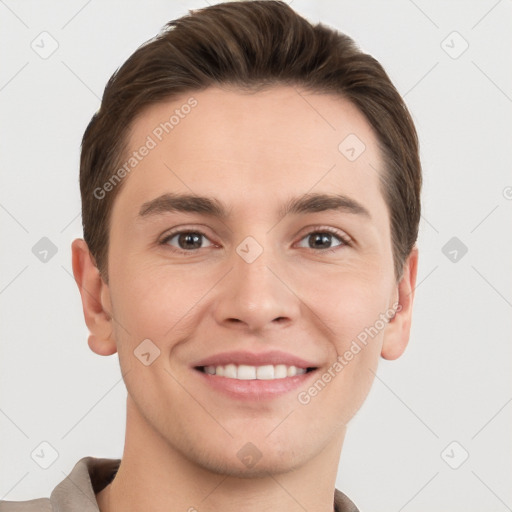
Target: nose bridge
254, 274
253, 280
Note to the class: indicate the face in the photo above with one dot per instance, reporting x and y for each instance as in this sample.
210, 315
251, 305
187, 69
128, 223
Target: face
235, 293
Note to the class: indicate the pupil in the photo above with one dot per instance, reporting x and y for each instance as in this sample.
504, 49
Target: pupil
325, 239
187, 238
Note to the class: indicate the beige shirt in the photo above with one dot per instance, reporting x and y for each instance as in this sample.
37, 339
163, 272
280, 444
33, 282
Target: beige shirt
77, 492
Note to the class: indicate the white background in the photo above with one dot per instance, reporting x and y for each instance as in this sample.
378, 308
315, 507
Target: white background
454, 381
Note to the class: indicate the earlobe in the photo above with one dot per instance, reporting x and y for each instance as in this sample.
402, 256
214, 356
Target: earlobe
95, 296
398, 330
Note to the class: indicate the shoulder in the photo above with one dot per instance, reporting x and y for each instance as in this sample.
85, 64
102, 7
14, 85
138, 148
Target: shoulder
76, 492
38, 505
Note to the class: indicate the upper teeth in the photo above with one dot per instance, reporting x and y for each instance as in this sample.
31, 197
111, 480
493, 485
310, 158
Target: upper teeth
245, 372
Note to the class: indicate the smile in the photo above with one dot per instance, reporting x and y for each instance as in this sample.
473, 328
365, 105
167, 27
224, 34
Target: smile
254, 376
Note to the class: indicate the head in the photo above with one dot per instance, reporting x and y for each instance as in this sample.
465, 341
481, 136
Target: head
282, 128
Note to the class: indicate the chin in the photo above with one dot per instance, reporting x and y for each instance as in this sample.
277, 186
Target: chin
245, 459
262, 469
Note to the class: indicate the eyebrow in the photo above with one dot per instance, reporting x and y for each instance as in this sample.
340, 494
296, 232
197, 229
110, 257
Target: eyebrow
308, 203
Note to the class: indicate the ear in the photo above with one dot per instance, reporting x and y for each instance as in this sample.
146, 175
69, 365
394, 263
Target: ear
96, 303
398, 330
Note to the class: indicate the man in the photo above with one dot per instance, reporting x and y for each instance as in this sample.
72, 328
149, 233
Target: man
250, 203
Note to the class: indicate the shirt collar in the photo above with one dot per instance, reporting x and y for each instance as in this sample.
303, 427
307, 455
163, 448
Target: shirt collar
77, 492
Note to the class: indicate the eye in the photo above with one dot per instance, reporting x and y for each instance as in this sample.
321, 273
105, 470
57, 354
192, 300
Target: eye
321, 239
188, 241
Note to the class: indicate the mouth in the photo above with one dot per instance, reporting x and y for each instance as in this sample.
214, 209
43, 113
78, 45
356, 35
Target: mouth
245, 375
247, 372
254, 384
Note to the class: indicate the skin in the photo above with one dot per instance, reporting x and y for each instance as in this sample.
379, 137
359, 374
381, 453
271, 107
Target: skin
253, 151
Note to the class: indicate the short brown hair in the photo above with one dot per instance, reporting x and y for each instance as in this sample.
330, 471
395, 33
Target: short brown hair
250, 44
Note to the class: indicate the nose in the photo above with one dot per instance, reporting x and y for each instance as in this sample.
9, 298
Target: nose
257, 296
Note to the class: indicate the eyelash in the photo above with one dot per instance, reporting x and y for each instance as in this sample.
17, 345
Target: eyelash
346, 241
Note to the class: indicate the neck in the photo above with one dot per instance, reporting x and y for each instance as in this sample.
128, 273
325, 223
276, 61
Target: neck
155, 476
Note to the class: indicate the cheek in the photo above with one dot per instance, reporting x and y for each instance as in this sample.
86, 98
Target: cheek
349, 308
153, 301
345, 300
357, 313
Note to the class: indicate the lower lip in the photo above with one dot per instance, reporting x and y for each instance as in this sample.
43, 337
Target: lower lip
255, 389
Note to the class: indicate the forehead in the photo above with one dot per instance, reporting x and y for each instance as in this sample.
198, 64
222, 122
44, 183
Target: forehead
232, 143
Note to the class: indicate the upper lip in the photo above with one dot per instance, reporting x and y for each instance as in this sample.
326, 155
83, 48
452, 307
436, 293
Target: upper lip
255, 359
